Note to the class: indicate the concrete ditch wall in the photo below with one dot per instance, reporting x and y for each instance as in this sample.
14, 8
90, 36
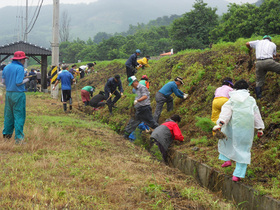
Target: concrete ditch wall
241, 194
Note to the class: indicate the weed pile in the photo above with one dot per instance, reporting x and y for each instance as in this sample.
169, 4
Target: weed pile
203, 71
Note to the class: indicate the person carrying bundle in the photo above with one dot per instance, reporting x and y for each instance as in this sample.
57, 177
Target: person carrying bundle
238, 118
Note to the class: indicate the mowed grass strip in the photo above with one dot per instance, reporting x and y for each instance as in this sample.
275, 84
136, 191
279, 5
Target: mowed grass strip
70, 161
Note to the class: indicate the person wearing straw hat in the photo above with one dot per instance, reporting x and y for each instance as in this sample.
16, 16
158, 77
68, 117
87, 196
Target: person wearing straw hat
164, 96
15, 102
142, 106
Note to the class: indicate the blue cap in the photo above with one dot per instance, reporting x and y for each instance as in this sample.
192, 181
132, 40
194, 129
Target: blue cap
138, 51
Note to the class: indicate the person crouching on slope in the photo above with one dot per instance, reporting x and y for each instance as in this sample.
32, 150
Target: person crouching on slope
86, 92
238, 118
164, 135
164, 96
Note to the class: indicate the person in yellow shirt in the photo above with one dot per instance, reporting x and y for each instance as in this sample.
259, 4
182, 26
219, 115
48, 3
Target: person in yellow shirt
144, 62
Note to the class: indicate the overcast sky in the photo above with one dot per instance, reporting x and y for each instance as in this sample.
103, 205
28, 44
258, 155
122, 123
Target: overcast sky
4, 3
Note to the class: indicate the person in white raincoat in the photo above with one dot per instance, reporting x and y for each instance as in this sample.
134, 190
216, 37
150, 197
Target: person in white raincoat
239, 116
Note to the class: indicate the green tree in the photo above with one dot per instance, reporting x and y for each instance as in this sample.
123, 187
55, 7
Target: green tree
100, 36
268, 18
194, 26
239, 21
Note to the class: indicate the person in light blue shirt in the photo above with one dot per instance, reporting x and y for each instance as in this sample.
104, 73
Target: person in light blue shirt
66, 79
164, 96
15, 102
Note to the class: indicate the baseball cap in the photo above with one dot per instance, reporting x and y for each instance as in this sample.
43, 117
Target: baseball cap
267, 37
138, 51
131, 80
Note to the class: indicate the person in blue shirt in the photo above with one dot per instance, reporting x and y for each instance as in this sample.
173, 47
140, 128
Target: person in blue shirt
15, 104
111, 88
131, 64
66, 79
164, 96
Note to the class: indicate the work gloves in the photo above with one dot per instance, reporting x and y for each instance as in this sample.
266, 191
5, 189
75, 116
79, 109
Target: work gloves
135, 102
260, 133
216, 127
185, 96
219, 126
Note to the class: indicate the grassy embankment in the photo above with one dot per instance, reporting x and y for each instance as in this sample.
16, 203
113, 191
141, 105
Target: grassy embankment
203, 71
73, 162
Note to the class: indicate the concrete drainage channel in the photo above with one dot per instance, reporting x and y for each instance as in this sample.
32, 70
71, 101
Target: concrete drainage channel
241, 194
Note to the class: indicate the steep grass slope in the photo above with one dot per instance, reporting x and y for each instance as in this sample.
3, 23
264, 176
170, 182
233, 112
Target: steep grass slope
203, 71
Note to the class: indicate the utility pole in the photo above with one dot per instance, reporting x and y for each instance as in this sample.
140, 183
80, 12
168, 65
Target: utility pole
26, 22
26, 28
55, 48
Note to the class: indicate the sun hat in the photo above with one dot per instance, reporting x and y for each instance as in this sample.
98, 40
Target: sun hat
19, 55
131, 80
180, 79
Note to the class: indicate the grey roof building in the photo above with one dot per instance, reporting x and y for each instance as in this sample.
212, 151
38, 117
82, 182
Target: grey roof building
30, 50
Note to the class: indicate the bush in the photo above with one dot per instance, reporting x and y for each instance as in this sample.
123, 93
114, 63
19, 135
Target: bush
205, 124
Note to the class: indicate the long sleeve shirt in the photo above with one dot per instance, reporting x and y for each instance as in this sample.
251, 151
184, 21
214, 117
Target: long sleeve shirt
132, 61
142, 90
13, 74
223, 91
170, 88
112, 85
175, 130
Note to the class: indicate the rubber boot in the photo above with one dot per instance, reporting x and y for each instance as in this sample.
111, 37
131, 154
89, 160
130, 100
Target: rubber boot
70, 103
65, 107
258, 92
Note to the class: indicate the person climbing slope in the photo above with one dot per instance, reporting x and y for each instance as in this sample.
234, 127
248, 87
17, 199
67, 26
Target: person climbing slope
221, 96
164, 96
142, 106
131, 64
238, 118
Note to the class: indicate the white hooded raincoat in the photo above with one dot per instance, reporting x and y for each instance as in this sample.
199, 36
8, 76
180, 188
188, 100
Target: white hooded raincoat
240, 115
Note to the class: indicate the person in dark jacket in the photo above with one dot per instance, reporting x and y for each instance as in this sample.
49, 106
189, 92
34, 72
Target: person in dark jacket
131, 64
111, 88
98, 100
164, 135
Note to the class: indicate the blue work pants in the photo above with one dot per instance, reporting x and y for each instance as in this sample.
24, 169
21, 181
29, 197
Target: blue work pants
14, 114
240, 169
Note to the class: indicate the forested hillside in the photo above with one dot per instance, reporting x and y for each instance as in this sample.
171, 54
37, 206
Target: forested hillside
196, 29
86, 20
